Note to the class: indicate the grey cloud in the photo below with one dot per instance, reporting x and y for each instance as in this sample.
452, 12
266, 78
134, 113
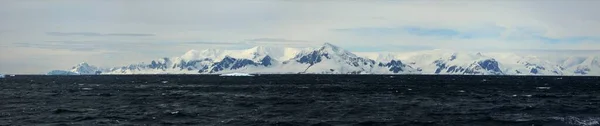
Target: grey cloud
115, 45
213, 43
275, 40
280, 42
92, 34
60, 46
85, 45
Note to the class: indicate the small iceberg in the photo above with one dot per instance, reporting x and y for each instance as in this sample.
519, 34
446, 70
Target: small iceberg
2, 75
543, 88
237, 74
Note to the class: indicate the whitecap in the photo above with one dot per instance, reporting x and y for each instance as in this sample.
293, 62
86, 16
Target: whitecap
571, 120
543, 88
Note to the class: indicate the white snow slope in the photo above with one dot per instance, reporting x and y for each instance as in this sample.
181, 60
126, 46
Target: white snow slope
331, 59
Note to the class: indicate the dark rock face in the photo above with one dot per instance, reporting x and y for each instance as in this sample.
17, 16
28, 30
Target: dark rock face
441, 66
318, 56
155, 64
475, 68
533, 71
202, 66
535, 66
394, 65
227, 62
191, 65
453, 57
164, 65
450, 69
233, 64
132, 67
455, 69
203, 69
312, 58
554, 71
242, 63
582, 71
490, 65
266, 61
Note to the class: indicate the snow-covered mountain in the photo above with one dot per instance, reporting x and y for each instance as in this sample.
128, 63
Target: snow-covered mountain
590, 66
331, 59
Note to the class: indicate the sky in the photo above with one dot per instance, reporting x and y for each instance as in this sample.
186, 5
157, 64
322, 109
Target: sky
37, 36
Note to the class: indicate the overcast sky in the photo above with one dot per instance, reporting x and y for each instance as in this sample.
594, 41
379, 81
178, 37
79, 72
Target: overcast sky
40, 35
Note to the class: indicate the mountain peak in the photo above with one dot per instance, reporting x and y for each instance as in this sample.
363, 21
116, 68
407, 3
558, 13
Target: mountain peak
259, 49
191, 55
259, 52
592, 60
328, 47
211, 50
193, 51
84, 68
83, 64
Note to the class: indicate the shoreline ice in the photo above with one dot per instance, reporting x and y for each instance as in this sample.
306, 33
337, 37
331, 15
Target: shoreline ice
237, 74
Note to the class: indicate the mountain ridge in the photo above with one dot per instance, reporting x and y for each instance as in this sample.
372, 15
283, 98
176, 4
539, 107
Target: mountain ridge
332, 59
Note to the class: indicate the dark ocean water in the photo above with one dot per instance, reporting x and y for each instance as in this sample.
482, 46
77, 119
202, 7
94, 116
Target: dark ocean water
300, 100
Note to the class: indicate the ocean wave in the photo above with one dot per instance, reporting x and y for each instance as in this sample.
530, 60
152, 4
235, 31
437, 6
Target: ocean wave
585, 121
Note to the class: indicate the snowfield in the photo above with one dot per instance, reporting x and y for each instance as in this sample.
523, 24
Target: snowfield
331, 59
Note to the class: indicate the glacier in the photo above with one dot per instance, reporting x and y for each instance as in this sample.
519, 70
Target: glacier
331, 59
